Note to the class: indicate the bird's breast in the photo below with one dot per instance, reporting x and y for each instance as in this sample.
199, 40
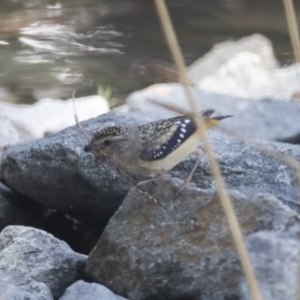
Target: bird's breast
174, 157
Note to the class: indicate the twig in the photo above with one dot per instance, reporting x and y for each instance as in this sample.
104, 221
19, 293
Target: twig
224, 197
83, 131
294, 34
293, 27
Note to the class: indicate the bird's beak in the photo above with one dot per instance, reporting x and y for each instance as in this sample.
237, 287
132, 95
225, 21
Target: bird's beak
219, 118
213, 121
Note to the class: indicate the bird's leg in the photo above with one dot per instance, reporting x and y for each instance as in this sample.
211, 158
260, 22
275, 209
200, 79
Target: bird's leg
162, 174
187, 181
159, 176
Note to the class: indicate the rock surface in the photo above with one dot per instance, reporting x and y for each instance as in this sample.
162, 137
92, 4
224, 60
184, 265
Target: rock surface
36, 259
9, 292
275, 256
266, 119
89, 291
245, 68
180, 248
56, 171
221, 53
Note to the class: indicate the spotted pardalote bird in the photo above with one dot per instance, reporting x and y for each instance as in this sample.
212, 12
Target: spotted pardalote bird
153, 147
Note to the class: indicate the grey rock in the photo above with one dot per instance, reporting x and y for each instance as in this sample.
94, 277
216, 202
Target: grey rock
275, 257
221, 53
179, 247
265, 119
29, 256
87, 291
39, 289
249, 170
12, 292
56, 171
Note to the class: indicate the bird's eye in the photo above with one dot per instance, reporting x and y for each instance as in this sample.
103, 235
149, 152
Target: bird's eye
107, 143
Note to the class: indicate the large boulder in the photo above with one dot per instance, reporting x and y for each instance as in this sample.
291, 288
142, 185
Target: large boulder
29, 256
245, 68
179, 247
209, 64
56, 171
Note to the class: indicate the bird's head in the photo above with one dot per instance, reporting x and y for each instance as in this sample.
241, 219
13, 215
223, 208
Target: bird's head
213, 121
209, 120
106, 140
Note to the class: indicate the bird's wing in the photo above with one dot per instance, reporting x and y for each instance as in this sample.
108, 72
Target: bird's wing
160, 138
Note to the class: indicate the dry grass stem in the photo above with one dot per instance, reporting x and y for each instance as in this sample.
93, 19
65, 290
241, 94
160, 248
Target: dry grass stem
83, 131
294, 34
293, 27
224, 197
172, 107
175, 50
289, 160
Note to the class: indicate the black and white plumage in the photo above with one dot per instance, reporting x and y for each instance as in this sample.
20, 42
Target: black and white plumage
109, 132
153, 147
162, 137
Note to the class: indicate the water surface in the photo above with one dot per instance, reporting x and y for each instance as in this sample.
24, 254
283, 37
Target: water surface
48, 48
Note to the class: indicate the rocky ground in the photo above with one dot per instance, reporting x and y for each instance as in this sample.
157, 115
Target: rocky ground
73, 227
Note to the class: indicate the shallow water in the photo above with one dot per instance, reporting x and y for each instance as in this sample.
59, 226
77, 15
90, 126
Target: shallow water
48, 48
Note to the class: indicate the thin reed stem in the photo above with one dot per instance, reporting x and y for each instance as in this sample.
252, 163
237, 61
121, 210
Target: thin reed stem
175, 50
224, 197
294, 34
293, 27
